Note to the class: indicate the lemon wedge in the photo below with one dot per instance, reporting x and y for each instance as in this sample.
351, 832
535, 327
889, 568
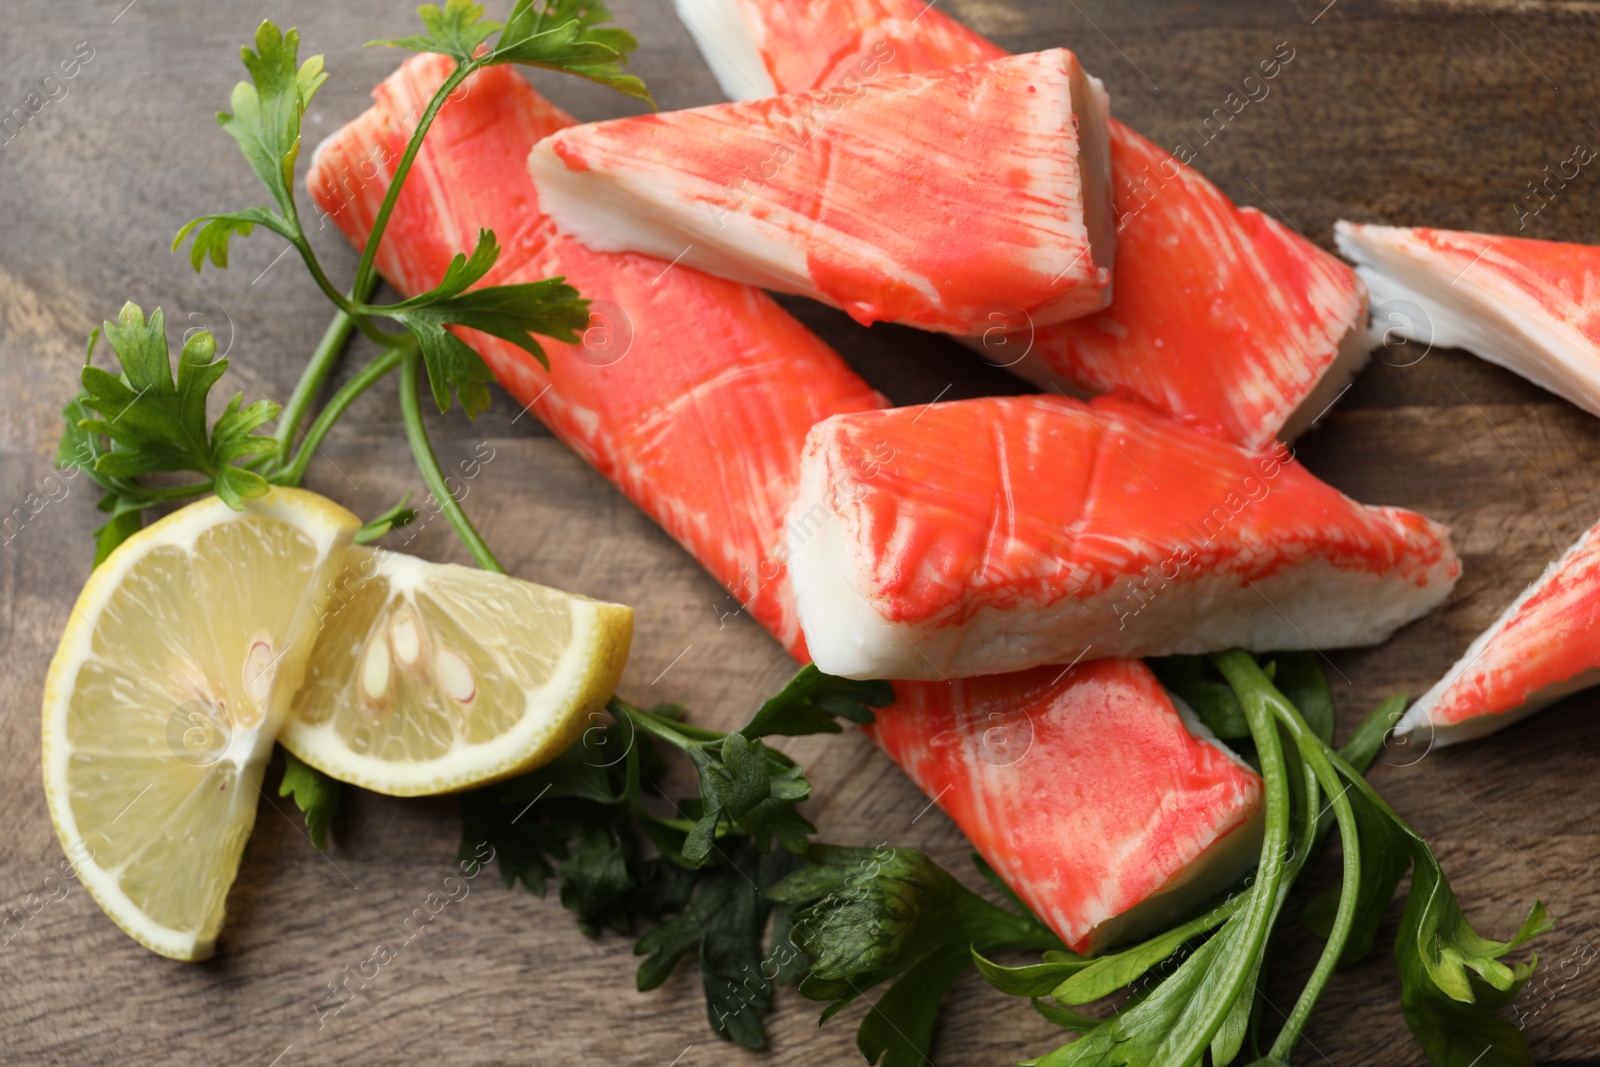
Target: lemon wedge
433, 678
169, 686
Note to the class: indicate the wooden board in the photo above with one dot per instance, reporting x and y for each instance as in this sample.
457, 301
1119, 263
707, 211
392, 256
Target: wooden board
1403, 112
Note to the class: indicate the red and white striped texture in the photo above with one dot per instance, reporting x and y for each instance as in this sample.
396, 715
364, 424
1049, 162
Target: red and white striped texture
1220, 316
701, 423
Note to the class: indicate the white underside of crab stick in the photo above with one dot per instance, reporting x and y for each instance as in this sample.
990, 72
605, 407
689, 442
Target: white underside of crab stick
1543, 647
924, 199
998, 534
1532, 307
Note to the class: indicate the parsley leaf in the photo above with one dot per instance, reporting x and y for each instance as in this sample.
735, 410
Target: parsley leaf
456, 31
751, 787
868, 916
510, 312
267, 109
571, 35
393, 519
452, 365
1452, 981
82, 450
724, 922
584, 818
314, 793
745, 786
265, 122
157, 424
117, 529
813, 703
214, 231
565, 35
1190, 679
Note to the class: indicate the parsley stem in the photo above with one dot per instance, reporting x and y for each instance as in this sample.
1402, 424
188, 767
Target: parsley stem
392, 196
1315, 753
680, 734
428, 464
323, 360
314, 266
643, 720
359, 383
1255, 694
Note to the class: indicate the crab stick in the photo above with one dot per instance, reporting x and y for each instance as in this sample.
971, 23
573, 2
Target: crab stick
1221, 317
1543, 647
694, 397
1530, 306
997, 534
923, 199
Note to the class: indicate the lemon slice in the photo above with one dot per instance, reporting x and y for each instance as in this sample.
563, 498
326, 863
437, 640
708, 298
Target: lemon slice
165, 695
432, 678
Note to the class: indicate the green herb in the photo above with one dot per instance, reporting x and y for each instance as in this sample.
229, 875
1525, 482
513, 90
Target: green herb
1365, 744
138, 421
598, 821
567, 35
393, 519
142, 421
868, 916
1189, 678
1452, 983
315, 794
511, 312
1187, 995
813, 703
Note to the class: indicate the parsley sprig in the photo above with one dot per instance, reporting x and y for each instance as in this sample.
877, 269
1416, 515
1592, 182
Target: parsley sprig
1191, 991
135, 420
120, 427
600, 820
139, 420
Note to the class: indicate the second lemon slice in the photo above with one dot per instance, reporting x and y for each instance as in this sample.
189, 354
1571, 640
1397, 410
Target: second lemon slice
432, 678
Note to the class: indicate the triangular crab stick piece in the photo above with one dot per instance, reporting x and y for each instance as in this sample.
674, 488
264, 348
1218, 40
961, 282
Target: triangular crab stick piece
702, 428
979, 536
1221, 317
1033, 765
1531, 306
1545, 646
924, 199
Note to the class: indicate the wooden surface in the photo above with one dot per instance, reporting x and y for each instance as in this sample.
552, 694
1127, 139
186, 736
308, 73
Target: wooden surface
1405, 113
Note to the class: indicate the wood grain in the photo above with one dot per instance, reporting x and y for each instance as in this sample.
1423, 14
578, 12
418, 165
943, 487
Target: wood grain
1407, 113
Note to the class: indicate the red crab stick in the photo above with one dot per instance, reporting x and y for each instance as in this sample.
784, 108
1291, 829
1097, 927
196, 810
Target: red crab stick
1533, 307
1220, 317
701, 421
1545, 646
683, 395
997, 534
924, 199
1045, 764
